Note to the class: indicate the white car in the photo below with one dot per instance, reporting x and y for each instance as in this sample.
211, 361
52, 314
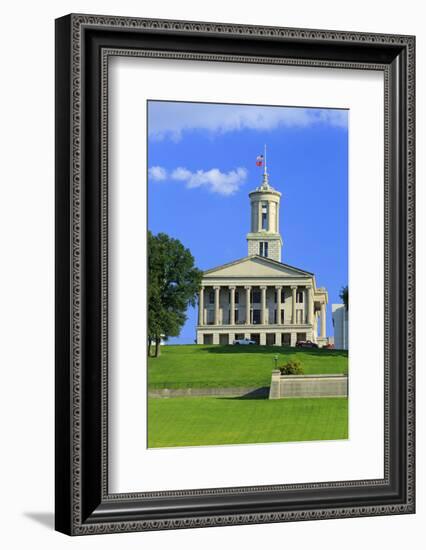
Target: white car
244, 342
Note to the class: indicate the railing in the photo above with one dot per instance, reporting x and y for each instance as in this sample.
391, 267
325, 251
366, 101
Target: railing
286, 325
241, 322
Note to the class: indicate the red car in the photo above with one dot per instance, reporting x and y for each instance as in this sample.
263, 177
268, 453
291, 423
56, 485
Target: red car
306, 344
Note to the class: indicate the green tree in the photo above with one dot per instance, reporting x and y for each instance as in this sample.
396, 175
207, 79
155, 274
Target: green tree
173, 284
344, 296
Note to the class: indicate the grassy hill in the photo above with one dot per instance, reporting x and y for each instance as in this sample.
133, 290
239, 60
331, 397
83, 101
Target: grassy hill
224, 421
196, 366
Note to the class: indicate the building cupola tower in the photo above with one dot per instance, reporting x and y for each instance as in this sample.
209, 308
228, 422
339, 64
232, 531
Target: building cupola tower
264, 238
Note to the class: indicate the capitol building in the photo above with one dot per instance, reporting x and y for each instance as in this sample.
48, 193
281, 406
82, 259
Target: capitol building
259, 297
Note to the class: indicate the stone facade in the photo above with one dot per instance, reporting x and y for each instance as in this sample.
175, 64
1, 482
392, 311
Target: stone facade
259, 297
274, 247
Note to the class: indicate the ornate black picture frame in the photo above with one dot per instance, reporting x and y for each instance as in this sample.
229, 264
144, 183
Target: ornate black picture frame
83, 45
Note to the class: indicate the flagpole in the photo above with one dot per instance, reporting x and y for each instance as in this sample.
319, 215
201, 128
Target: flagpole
264, 164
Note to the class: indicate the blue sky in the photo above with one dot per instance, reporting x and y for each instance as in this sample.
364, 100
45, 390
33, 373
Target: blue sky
201, 167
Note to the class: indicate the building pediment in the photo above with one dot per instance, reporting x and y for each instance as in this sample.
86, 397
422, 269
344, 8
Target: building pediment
258, 267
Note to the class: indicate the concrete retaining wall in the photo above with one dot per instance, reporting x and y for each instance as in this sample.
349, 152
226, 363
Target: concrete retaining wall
308, 385
249, 393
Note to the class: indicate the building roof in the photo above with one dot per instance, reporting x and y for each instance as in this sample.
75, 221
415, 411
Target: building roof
261, 259
265, 187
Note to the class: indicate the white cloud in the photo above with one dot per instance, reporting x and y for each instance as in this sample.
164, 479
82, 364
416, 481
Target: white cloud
171, 119
215, 181
157, 173
181, 174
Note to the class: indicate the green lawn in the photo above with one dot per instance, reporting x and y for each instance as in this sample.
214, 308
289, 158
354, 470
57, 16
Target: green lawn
198, 366
179, 422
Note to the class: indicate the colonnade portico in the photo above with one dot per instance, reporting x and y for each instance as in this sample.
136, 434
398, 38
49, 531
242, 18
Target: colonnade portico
265, 310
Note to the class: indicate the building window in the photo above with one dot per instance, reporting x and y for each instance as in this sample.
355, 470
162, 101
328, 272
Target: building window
255, 338
255, 297
256, 316
223, 339
270, 339
299, 297
300, 317
285, 339
265, 216
263, 249
211, 297
282, 316
236, 316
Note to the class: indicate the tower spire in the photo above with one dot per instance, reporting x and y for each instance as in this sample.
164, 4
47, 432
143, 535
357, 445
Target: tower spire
265, 182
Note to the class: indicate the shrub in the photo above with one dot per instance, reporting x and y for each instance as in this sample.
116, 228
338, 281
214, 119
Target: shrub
291, 367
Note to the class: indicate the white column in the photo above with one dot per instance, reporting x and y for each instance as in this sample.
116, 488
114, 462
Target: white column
277, 219
323, 320
201, 307
315, 329
278, 289
293, 304
248, 288
216, 304
309, 298
253, 227
263, 305
259, 216
232, 306
270, 216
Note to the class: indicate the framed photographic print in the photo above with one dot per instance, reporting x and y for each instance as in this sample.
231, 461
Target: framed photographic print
221, 191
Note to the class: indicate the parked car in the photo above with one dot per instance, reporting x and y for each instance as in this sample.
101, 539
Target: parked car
243, 342
306, 344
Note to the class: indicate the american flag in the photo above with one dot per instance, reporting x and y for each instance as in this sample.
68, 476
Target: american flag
259, 160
